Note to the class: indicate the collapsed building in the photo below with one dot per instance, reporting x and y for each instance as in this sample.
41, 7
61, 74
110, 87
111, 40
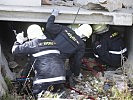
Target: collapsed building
16, 16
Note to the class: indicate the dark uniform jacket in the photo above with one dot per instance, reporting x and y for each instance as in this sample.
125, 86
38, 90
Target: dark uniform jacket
49, 67
109, 47
68, 42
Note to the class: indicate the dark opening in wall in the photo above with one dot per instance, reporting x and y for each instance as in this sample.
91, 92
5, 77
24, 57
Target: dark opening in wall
7, 35
7, 29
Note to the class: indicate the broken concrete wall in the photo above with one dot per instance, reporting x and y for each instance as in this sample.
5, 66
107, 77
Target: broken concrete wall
127, 3
3, 86
5, 67
21, 2
87, 4
110, 5
4, 72
129, 64
130, 43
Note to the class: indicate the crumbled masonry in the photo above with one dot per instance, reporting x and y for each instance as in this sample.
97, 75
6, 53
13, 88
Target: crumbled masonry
110, 85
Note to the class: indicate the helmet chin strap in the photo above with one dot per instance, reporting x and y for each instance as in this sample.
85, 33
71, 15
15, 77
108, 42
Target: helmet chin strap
42, 37
84, 38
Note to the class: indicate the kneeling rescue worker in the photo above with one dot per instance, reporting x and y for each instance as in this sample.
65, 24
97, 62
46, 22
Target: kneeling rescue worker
45, 57
69, 41
108, 46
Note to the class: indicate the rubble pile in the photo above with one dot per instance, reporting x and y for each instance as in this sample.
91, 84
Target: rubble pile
102, 88
110, 85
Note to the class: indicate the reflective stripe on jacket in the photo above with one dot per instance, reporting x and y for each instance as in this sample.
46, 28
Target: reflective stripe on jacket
48, 64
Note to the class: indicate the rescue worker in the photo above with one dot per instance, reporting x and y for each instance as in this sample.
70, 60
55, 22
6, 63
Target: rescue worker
108, 46
45, 57
69, 42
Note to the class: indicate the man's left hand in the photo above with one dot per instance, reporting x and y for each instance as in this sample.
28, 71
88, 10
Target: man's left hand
55, 12
20, 38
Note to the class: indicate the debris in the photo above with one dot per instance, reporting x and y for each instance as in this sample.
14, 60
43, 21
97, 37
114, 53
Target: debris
46, 2
109, 5
13, 64
63, 3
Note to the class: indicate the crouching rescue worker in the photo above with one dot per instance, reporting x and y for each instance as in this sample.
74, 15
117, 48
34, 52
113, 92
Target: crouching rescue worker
48, 66
69, 42
108, 46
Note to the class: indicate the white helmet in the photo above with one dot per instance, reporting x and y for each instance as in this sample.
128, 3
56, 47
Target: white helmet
84, 30
34, 31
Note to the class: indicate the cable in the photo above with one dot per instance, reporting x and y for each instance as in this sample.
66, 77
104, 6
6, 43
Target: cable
76, 16
29, 75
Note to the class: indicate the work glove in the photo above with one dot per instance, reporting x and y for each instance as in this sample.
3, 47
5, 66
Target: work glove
20, 38
55, 12
97, 45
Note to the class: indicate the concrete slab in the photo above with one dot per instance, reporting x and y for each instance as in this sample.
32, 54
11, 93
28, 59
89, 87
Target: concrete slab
67, 15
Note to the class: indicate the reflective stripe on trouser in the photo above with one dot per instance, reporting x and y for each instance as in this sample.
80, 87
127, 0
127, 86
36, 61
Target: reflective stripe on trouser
114, 52
39, 81
45, 52
118, 52
96, 55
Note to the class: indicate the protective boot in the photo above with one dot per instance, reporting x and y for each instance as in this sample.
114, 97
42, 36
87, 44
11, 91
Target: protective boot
37, 88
